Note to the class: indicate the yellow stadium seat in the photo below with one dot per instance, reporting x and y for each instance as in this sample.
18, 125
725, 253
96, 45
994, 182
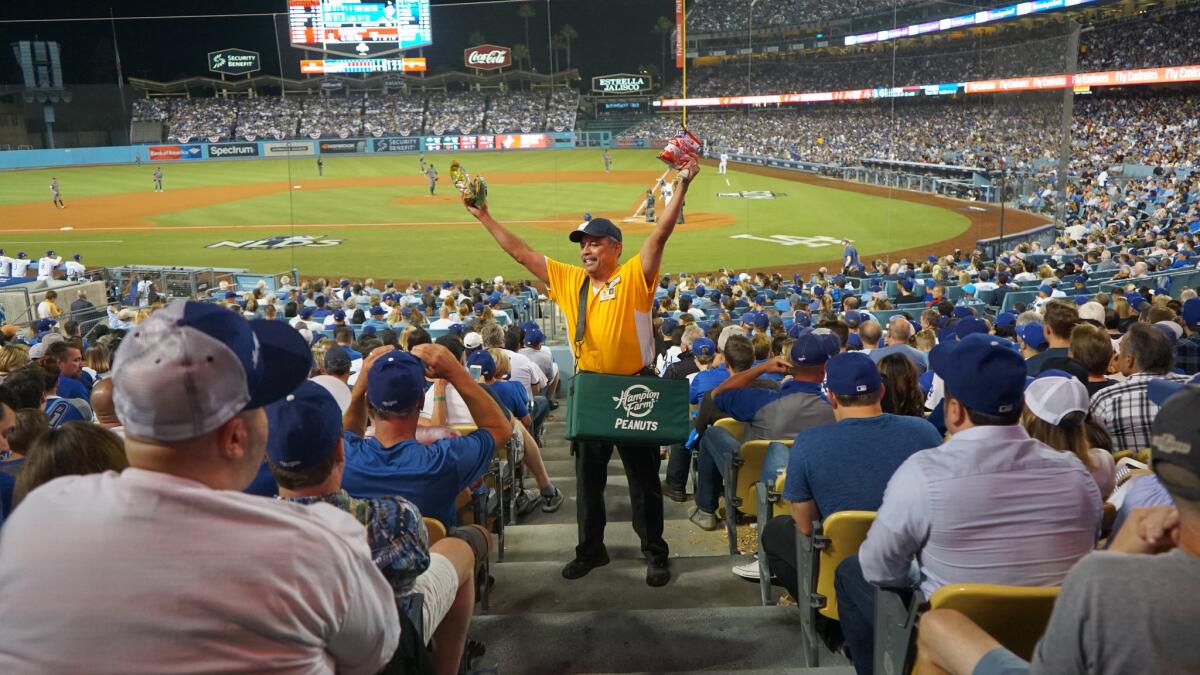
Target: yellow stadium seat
768, 497
437, 531
735, 428
1016, 616
742, 473
817, 558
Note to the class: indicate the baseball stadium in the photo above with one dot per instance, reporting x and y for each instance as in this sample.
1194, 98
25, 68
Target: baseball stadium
898, 360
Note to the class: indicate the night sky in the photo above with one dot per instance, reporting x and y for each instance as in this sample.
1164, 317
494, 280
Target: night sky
614, 35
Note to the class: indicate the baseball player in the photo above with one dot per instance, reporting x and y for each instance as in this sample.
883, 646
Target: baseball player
55, 194
649, 206
320, 167
422, 158
158, 179
724, 165
5, 264
137, 160
607, 161
668, 191
20, 265
46, 265
432, 174
75, 268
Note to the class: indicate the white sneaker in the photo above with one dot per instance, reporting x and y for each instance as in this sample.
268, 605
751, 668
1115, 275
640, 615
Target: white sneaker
747, 571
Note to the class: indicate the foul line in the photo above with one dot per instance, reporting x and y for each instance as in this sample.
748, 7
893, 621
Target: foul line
210, 228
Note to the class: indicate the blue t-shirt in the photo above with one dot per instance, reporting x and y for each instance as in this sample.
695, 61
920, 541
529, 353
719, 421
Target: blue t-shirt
512, 396
9, 469
846, 466
851, 253
71, 388
704, 382
263, 484
430, 476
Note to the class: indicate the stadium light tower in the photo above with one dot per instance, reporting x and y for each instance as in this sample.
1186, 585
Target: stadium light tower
750, 47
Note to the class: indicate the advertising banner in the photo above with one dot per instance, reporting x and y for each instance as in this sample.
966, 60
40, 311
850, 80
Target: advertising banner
412, 144
487, 57
227, 150
234, 62
160, 153
522, 141
621, 83
679, 34
343, 147
289, 149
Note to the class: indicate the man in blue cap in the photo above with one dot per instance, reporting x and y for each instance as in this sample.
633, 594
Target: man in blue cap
614, 335
306, 455
1187, 350
843, 466
393, 384
798, 405
940, 506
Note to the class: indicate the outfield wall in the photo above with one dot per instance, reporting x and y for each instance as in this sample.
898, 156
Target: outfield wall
271, 149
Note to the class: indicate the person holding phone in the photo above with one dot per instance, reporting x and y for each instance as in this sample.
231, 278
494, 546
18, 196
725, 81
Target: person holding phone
618, 338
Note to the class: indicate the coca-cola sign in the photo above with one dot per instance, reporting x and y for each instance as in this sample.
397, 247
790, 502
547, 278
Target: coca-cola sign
487, 57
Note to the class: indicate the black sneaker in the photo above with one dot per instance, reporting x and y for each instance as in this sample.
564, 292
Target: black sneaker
551, 504
658, 573
579, 568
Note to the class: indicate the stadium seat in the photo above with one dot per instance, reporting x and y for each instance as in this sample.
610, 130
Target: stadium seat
768, 497
437, 531
817, 558
742, 473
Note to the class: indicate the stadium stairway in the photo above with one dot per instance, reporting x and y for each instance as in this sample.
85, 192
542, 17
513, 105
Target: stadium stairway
704, 620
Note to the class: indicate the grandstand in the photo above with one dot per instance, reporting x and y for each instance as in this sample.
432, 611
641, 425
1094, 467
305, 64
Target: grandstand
1028, 386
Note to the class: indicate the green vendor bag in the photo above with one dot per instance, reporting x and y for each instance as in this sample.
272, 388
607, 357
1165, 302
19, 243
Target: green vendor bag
622, 408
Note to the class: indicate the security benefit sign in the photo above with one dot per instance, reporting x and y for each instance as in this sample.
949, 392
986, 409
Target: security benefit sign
234, 62
642, 410
278, 242
621, 83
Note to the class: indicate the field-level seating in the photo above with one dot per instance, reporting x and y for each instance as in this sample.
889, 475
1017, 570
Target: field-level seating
817, 558
1016, 616
742, 473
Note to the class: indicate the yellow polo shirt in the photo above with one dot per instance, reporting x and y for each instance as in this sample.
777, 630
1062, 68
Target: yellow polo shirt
619, 335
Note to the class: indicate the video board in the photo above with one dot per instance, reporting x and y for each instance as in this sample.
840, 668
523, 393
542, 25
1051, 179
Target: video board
390, 24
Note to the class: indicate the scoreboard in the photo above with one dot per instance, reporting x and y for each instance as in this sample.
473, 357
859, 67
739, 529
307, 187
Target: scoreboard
391, 24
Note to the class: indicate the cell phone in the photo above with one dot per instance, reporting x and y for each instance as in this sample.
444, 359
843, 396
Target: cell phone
476, 372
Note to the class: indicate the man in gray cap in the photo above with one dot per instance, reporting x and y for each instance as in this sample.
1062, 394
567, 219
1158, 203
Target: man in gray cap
614, 336
169, 563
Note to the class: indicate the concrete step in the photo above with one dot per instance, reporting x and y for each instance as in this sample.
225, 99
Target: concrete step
705, 639
555, 542
616, 500
539, 587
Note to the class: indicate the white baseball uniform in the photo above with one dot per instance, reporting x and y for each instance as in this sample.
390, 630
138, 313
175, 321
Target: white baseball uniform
46, 265
6, 266
75, 270
20, 266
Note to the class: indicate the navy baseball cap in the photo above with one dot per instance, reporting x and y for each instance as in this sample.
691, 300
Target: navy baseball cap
854, 340
481, 358
1033, 334
406, 311
1160, 388
962, 312
377, 310
704, 347
983, 373
231, 295
1081, 299
760, 299
812, 349
396, 382
852, 318
852, 374
337, 358
44, 325
1191, 312
907, 284
304, 427
700, 291
970, 326
50, 252
1006, 318
20, 254
368, 330
669, 325
478, 308
596, 227
339, 315
77, 257
191, 367
761, 320
457, 329
534, 336
528, 325
306, 313
320, 300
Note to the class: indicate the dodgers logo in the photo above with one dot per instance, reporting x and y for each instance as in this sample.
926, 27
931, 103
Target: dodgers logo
637, 400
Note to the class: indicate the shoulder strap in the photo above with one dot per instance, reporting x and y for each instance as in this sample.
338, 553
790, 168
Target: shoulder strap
581, 318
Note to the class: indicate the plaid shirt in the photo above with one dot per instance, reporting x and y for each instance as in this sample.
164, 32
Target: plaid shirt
397, 536
1128, 411
1187, 354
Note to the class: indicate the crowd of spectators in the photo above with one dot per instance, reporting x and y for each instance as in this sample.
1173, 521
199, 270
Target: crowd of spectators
151, 109
517, 111
267, 117
201, 119
393, 115
564, 107
716, 16
340, 116
455, 112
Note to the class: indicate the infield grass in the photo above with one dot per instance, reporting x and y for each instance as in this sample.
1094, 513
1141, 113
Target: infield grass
375, 220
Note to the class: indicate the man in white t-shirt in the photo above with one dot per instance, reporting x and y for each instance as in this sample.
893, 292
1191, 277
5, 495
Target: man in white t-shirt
20, 265
171, 563
5, 264
75, 268
46, 265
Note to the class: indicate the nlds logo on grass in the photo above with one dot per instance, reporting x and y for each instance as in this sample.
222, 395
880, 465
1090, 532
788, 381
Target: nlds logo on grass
278, 242
638, 401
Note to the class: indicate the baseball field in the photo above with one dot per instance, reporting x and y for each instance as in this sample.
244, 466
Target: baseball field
371, 215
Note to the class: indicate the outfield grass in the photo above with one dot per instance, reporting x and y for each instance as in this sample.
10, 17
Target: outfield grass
453, 246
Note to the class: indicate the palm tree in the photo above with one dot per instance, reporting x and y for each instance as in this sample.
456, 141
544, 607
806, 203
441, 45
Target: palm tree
568, 33
526, 12
476, 38
663, 28
557, 43
521, 55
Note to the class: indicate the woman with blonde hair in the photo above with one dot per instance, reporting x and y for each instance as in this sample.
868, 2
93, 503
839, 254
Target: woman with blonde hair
13, 357
1056, 408
97, 361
